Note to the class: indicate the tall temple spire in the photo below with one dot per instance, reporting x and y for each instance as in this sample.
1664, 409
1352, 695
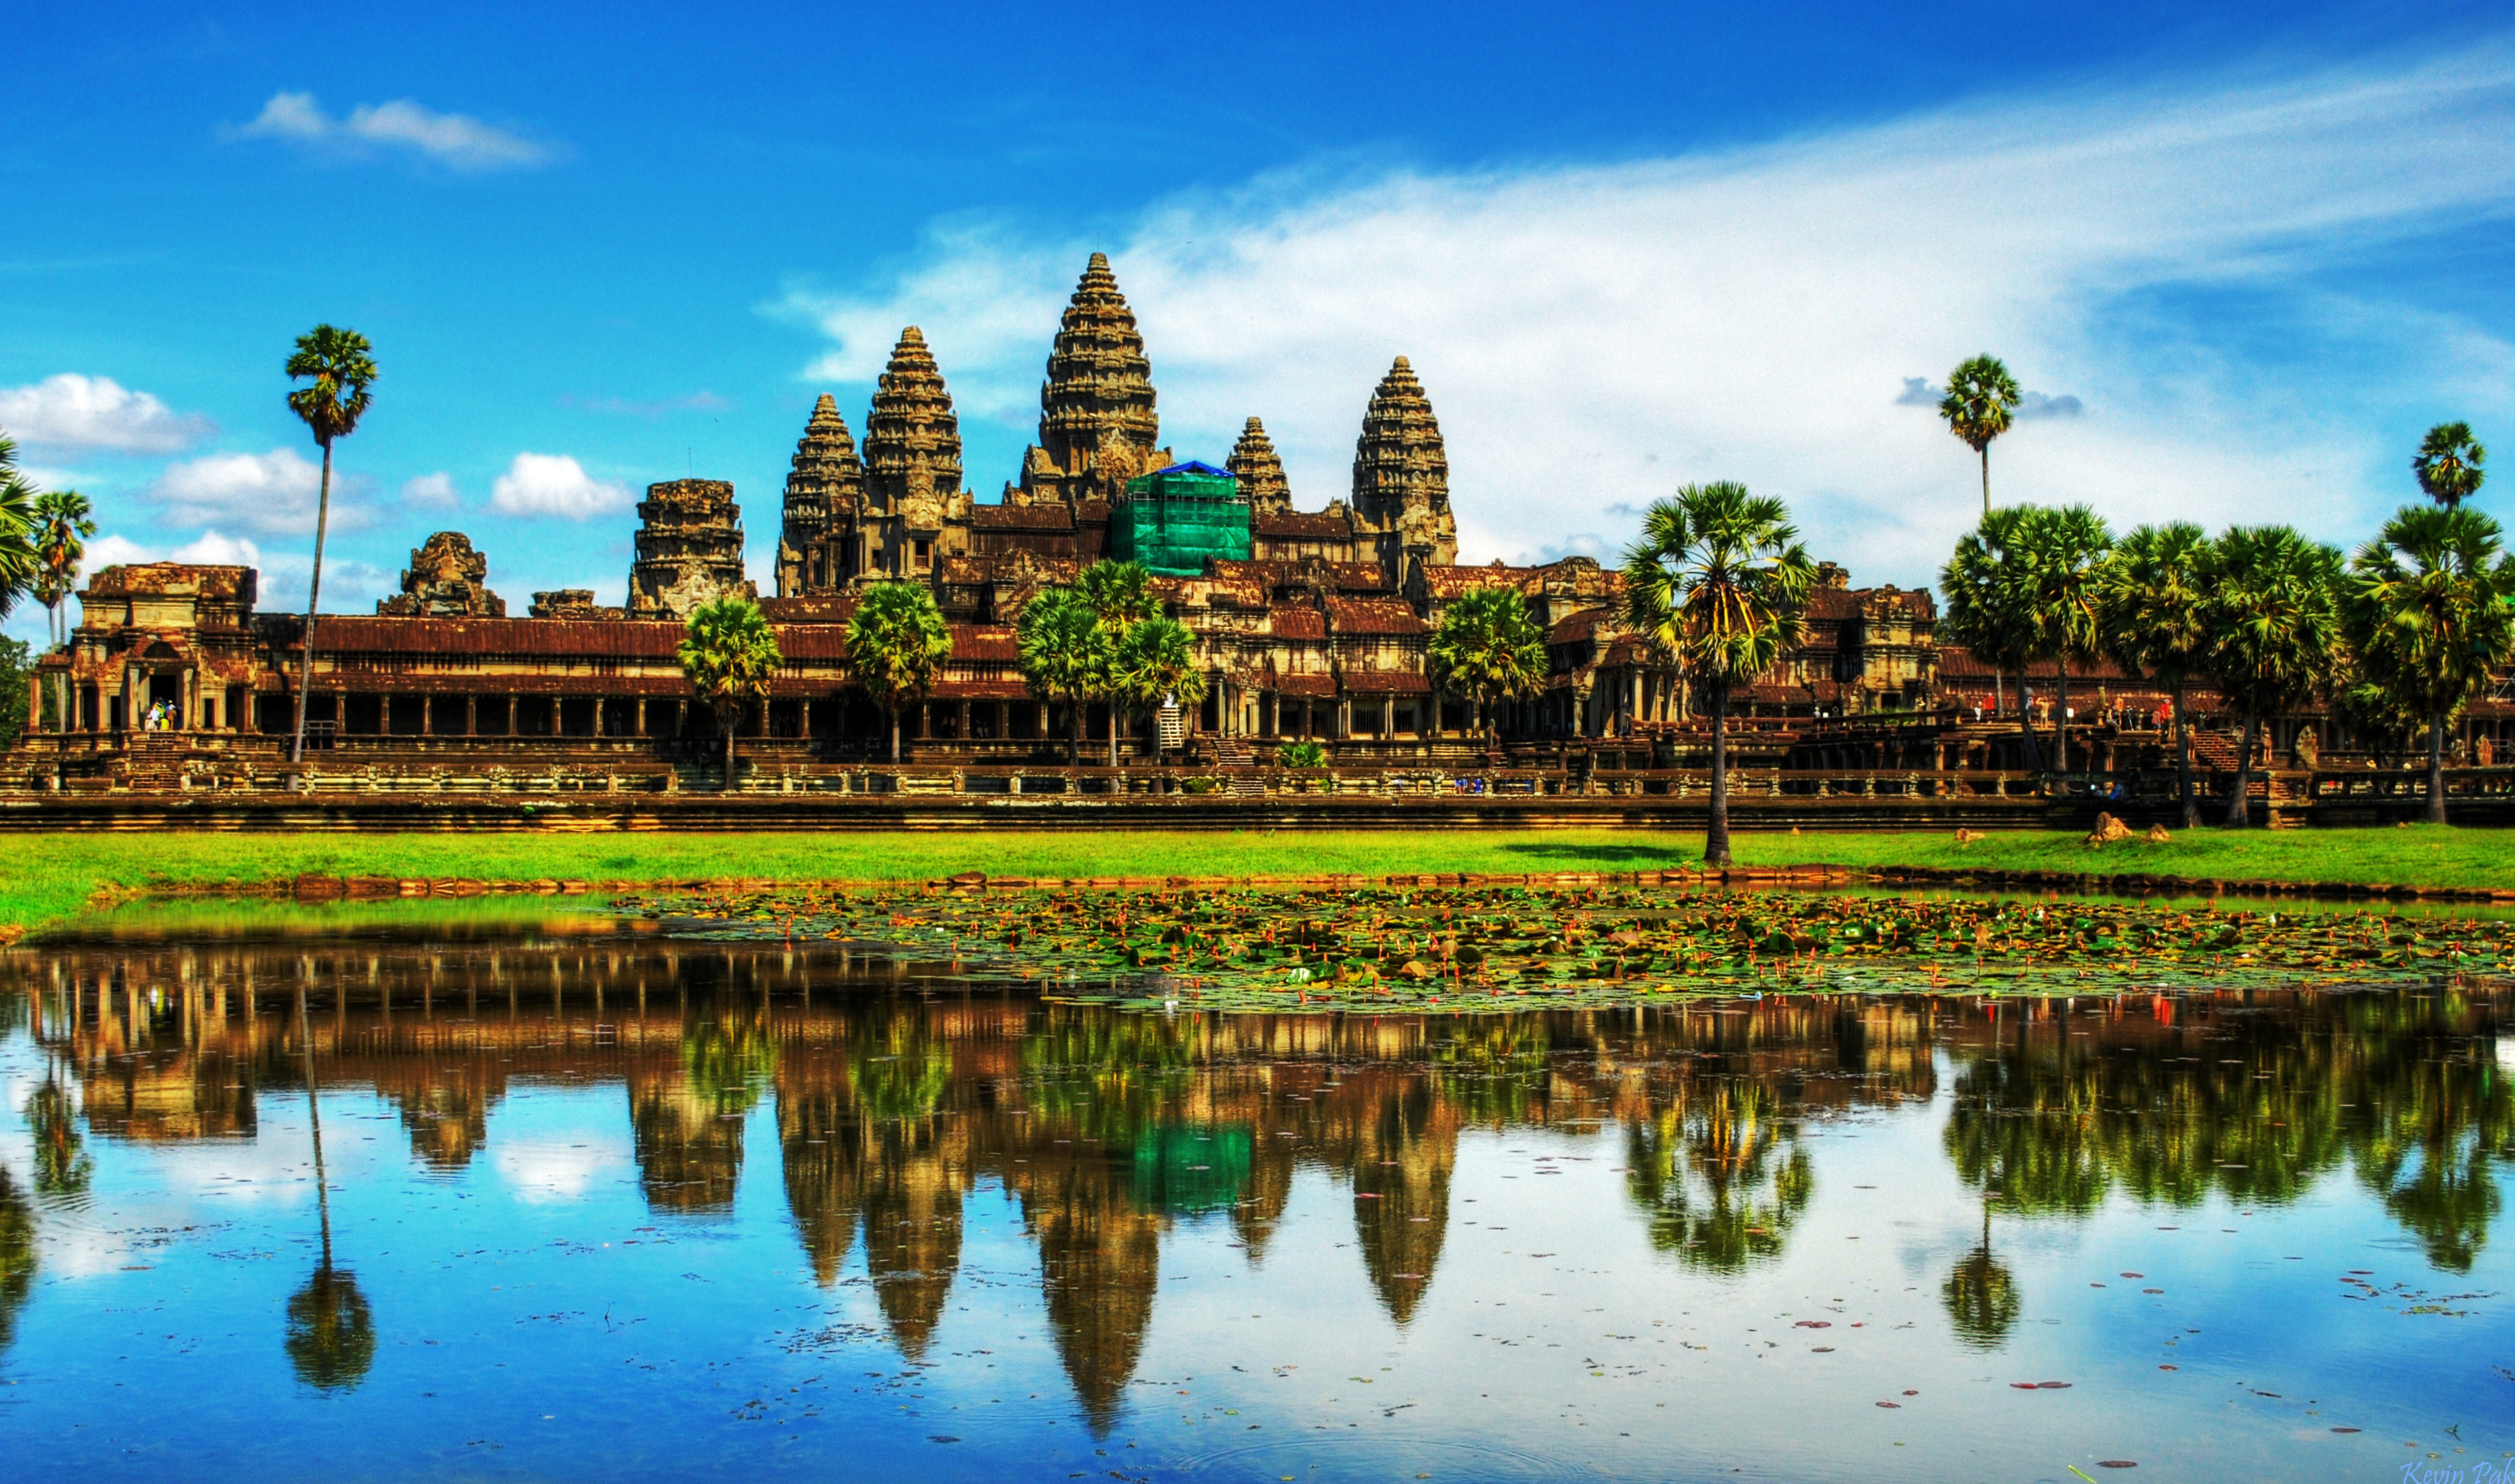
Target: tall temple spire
824, 494
1097, 427
1401, 475
1260, 472
912, 447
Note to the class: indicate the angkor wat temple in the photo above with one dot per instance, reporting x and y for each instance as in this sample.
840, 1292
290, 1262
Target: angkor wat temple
1313, 622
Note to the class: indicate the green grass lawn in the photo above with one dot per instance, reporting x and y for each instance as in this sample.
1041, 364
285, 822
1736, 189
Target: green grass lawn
46, 877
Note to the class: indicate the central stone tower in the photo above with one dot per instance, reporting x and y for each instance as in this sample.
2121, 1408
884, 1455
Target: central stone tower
1097, 427
1401, 477
912, 463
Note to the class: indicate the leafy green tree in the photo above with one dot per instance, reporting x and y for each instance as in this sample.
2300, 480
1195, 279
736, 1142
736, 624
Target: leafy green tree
1153, 662
2430, 614
1981, 1295
1064, 654
1487, 648
62, 1165
1719, 580
1980, 404
2065, 552
19, 566
1120, 597
2149, 607
728, 653
897, 645
16, 664
338, 369
1990, 607
2450, 464
2274, 631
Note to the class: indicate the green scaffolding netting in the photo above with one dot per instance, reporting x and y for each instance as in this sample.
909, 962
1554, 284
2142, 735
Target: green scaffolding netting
1174, 520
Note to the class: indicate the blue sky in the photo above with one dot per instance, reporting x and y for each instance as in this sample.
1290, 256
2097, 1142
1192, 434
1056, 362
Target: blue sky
2248, 251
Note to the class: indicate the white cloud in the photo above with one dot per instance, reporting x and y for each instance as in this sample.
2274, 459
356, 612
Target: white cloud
273, 493
540, 1171
1596, 335
454, 140
209, 549
431, 492
554, 484
70, 411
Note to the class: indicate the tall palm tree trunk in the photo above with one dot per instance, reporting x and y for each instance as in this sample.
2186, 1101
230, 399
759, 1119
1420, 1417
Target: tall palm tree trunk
1716, 842
895, 734
2061, 712
2237, 813
2183, 763
1113, 732
1074, 733
1999, 691
728, 756
313, 600
1984, 451
2436, 768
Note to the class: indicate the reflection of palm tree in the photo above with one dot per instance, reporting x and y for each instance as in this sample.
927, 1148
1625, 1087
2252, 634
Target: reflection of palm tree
1706, 1175
62, 1165
17, 1255
331, 1334
1981, 1295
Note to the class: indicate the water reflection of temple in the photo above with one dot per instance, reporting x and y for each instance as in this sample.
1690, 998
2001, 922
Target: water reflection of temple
1108, 1128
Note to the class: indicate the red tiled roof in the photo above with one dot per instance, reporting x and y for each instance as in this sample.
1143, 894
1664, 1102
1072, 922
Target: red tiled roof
1288, 621
1293, 525
594, 639
985, 641
1316, 687
1020, 517
1573, 628
826, 608
1387, 682
1372, 615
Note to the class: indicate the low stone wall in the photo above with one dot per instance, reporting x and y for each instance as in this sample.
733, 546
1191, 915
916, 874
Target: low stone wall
944, 811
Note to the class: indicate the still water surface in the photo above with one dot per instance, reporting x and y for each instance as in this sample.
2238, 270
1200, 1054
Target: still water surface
599, 1203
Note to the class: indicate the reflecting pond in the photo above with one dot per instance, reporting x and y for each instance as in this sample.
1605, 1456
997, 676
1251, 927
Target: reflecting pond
511, 1196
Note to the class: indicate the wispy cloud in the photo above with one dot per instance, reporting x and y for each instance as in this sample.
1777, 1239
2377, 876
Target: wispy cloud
272, 494
456, 141
73, 412
431, 492
1594, 335
554, 485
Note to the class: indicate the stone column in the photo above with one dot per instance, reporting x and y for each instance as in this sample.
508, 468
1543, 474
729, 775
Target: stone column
130, 706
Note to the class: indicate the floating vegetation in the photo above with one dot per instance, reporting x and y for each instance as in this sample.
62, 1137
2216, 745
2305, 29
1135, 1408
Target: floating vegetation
1521, 948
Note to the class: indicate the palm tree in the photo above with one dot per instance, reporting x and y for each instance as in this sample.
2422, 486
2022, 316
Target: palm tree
1981, 402
2273, 629
63, 526
2448, 464
2149, 602
1063, 654
2064, 549
1153, 663
1990, 607
336, 364
2430, 609
729, 655
897, 645
1120, 597
1718, 580
1488, 647
19, 566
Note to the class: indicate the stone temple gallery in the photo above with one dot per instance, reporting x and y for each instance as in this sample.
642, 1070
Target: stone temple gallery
1311, 623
